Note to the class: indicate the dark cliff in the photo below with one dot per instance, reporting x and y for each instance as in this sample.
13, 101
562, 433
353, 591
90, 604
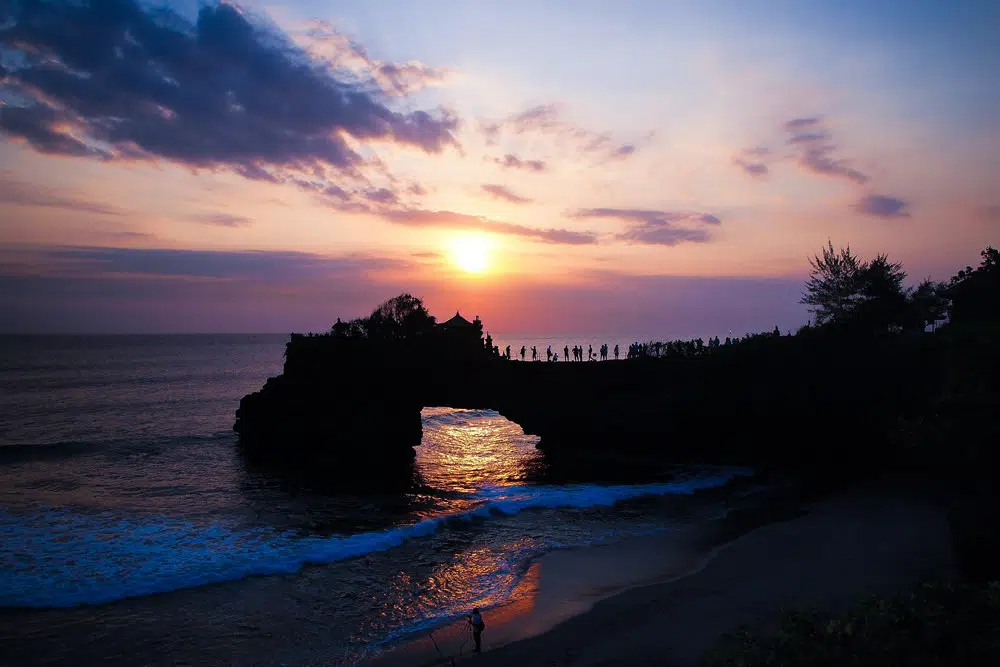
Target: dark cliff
789, 401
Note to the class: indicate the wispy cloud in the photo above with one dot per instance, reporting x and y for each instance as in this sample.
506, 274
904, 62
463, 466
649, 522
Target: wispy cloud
31, 194
815, 150
326, 43
752, 161
549, 119
452, 220
223, 220
511, 161
504, 193
656, 227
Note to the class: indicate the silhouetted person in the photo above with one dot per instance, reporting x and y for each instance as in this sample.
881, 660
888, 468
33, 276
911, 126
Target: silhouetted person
566, 353
507, 352
522, 353
534, 353
616, 351
548, 353
777, 331
590, 352
477, 625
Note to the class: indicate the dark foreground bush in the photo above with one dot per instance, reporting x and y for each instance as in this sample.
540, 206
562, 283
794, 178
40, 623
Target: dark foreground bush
937, 625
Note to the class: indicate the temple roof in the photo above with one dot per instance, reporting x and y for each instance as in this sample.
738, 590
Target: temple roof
458, 322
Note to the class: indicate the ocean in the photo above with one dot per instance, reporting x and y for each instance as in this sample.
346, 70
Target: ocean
133, 531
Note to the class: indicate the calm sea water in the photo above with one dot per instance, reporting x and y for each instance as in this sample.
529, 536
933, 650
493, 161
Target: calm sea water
130, 524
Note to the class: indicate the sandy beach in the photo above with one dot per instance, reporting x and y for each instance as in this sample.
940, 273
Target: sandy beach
837, 550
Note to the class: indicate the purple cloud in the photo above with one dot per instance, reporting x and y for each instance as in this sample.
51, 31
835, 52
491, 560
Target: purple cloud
882, 206
382, 196
224, 220
799, 124
29, 194
654, 227
213, 94
504, 193
815, 150
752, 161
452, 220
511, 161
622, 152
549, 119
541, 118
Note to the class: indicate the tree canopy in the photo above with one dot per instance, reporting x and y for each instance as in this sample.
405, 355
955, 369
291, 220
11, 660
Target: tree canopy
845, 290
975, 293
400, 317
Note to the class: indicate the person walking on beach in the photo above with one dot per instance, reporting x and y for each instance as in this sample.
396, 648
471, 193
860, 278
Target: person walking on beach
477, 625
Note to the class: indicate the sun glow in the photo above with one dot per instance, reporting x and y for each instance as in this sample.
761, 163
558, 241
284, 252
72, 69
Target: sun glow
470, 253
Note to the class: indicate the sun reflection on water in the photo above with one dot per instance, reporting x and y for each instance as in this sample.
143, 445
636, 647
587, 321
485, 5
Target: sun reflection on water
464, 451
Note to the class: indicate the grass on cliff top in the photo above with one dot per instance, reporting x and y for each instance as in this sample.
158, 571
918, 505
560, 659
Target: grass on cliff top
939, 625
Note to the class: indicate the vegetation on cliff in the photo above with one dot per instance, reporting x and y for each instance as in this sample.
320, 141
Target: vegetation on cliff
938, 625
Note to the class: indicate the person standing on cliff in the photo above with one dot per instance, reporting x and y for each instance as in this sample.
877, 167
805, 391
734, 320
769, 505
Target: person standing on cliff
566, 353
522, 353
478, 625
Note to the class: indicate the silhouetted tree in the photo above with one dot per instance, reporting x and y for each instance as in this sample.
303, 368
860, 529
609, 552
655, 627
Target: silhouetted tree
975, 293
400, 317
844, 290
929, 303
832, 290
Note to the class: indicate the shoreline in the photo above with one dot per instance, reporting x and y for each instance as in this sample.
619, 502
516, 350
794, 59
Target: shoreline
541, 603
870, 540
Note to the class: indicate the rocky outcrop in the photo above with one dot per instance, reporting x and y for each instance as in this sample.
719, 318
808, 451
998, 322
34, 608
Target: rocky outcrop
783, 401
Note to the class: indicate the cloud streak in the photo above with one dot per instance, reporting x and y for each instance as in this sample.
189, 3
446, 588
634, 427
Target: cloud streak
223, 220
30, 194
656, 227
752, 161
815, 150
549, 119
503, 193
250, 266
461, 221
511, 161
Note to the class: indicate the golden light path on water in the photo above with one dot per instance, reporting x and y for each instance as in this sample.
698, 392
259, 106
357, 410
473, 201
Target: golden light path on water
466, 451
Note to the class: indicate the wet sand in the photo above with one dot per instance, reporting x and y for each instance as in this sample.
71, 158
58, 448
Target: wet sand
871, 541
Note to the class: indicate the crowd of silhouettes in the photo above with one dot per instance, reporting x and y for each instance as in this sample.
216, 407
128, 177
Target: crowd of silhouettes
636, 350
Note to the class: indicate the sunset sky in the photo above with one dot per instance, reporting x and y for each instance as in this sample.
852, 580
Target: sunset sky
589, 166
